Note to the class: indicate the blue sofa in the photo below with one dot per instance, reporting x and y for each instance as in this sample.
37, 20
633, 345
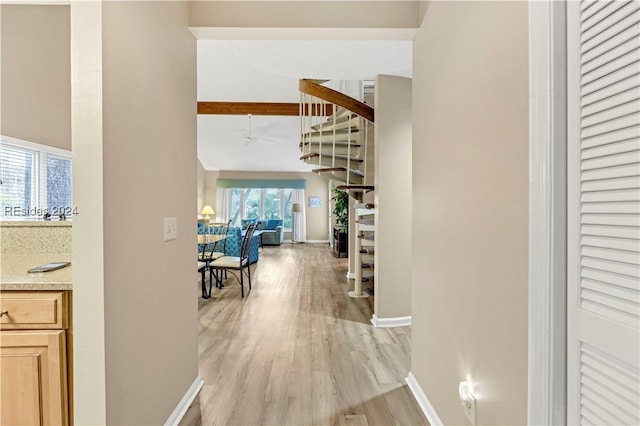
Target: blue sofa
271, 230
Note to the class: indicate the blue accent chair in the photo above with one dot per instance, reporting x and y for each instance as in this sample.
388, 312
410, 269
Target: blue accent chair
234, 241
245, 222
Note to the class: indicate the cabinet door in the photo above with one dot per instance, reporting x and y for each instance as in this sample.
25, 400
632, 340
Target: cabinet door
33, 371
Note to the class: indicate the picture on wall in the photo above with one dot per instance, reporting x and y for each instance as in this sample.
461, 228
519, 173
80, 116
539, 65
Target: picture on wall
315, 202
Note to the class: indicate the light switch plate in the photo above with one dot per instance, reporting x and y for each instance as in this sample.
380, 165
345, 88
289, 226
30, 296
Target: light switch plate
170, 228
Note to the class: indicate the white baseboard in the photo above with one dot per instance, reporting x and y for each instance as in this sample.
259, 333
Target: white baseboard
390, 322
317, 241
423, 401
351, 275
185, 402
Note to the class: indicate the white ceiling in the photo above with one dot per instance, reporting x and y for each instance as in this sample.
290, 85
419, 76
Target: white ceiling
268, 71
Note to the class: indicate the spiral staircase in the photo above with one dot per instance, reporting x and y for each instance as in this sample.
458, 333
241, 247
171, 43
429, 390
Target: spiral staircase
337, 136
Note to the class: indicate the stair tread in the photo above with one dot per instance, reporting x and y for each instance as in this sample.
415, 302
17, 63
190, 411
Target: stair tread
338, 156
356, 187
330, 144
332, 132
366, 221
330, 123
368, 237
340, 113
365, 206
338, 169
328, 137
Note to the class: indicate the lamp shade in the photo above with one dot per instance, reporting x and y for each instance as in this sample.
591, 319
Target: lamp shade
207, 210
295, 207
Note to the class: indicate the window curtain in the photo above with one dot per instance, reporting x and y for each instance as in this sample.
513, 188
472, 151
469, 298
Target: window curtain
300, 228
223, 204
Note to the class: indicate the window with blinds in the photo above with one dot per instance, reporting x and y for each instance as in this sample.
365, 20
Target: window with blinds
34, 180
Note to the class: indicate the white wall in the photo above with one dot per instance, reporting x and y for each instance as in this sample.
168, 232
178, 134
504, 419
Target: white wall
211, 189
201, 186
35, 87
135, 167
301, 14
393, 138
470, 204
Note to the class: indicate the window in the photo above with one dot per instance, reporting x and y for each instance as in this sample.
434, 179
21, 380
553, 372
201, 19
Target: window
271, 208
58, 181
288, 221
252, 203
260, 203
36, 179
236, 203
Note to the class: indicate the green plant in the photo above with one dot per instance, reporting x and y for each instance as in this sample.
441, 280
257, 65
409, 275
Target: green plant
341, 209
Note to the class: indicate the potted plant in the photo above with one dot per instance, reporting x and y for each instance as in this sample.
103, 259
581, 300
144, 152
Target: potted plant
341, 216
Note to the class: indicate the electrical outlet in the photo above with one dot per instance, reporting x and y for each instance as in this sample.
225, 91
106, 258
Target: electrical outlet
470, 411
170, 228
468, 401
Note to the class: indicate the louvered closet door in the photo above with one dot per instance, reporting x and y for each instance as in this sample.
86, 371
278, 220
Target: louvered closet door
603, 213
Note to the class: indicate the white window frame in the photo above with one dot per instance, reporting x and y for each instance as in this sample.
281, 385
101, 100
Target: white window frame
281, 211
39, 200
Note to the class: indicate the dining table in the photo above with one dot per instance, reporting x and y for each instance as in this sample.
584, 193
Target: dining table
210, 238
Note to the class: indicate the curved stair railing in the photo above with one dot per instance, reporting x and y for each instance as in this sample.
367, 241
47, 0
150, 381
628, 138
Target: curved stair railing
337, 136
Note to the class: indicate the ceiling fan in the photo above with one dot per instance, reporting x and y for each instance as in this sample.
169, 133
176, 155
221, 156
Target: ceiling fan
249, 137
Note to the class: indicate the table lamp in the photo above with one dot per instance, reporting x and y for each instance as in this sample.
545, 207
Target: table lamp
295, 208
207, 211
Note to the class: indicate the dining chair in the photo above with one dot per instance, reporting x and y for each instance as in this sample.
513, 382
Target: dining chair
210, 252
202, 268
240, 264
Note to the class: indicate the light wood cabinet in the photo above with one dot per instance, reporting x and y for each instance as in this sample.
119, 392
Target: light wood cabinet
34, 385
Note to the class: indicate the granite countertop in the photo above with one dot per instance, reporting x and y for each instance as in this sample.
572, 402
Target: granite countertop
39, 223
14, 276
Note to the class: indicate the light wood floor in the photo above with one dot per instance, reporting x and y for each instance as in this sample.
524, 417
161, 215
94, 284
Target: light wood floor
298, 351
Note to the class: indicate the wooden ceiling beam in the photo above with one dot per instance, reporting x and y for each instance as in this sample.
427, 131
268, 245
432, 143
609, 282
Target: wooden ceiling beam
261, 108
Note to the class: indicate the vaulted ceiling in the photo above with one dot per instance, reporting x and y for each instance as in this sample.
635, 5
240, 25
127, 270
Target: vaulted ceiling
269, 71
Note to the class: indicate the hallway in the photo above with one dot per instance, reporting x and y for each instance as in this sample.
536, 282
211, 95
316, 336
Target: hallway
298, 351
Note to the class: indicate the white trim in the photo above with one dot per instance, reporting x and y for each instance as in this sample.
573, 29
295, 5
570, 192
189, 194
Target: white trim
185, 402
35, 146
351, 275
246, 33
292, 242
38, 203
423, 401
317, 241
547, 213
38, 2
390, 322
